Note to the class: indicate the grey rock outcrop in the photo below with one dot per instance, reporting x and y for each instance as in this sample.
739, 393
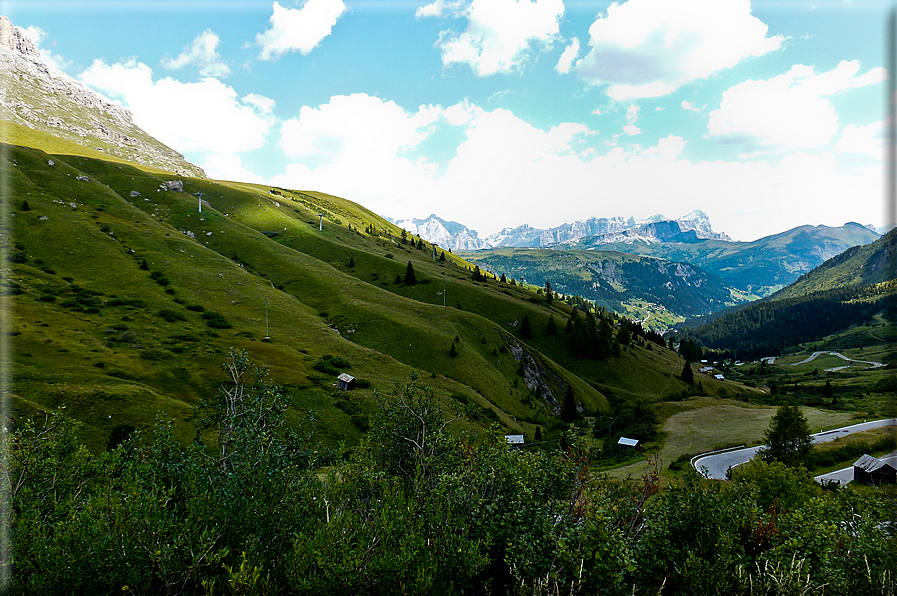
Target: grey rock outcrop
42, 98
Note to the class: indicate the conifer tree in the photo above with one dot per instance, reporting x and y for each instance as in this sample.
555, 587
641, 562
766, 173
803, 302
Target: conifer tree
526, 332
551, 328
410, 279
788, 437
688, 374
569, 413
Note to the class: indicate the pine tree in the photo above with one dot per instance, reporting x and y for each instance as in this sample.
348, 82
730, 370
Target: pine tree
442, 257
788, 437
453, 351
623, 335
351, 262
549, 295
551, 328
398, 279
688, 374
404, 236
410, 279
143, 265
827, 391
569, 413
526, 332
26, 206
538, 435
503, 279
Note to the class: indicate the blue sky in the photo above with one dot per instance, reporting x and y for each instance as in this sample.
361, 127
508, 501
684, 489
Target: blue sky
765, 115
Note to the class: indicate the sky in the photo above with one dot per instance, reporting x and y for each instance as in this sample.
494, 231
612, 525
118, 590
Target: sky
765, 115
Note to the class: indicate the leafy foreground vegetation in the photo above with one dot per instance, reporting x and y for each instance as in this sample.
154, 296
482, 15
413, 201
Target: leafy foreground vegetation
252, 507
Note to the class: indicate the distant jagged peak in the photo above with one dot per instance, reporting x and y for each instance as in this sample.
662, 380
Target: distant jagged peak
14, 39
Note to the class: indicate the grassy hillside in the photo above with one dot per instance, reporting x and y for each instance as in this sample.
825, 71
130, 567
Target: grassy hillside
118, 342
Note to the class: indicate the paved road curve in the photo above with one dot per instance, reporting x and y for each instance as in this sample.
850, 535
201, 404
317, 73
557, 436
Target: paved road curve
714, 466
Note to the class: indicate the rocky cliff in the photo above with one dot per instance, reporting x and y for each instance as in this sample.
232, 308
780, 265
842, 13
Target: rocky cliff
42, 98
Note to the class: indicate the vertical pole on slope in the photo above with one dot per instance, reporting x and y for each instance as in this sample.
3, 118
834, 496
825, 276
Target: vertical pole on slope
199, 195
267, 335
321, 224
890, 199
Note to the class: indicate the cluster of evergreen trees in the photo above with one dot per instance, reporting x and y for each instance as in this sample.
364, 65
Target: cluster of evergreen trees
766, 328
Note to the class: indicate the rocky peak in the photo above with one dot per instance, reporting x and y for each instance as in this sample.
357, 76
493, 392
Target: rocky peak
12, 38
34, 95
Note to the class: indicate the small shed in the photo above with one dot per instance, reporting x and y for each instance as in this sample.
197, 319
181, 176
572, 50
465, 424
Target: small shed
871, 470
719, 377
514, 440
345, 382
625, 444
705, 369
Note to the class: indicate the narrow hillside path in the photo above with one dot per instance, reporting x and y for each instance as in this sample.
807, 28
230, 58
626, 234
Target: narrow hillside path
839, 355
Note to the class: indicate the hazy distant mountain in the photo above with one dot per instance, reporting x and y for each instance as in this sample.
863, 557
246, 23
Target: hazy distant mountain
848, 289
760, 267
42, 98
447, 234
657, 228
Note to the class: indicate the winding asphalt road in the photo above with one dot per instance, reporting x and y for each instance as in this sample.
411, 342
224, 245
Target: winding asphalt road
714, 466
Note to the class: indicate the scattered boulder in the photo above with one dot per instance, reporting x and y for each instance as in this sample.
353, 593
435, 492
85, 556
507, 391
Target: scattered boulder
175, 185
82, 178
50, 162
134, 193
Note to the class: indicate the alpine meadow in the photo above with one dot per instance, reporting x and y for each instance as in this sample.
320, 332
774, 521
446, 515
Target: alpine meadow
235, 359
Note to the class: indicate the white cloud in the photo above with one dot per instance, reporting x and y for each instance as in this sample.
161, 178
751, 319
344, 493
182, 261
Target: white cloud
691, 107
299, 29
632, 130
227, 166
38, 36
500, 34
567, 58
788, 111
649, 48
203, 117
439, 8
866, 140
507, 172
202, 53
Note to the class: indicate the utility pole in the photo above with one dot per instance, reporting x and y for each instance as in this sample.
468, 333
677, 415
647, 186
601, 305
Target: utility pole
267, 335
321, 225
200, 195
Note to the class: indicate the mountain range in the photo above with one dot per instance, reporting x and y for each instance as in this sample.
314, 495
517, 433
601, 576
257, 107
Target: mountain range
127, 298
657, 228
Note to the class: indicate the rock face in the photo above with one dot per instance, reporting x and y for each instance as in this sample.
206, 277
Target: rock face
42, 98
601, 230
657, 228
447, 234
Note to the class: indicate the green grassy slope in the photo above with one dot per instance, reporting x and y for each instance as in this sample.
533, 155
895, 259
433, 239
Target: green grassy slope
118, 344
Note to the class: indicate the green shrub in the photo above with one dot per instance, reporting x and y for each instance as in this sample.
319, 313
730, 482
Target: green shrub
331, 365
171, 315
216, 320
